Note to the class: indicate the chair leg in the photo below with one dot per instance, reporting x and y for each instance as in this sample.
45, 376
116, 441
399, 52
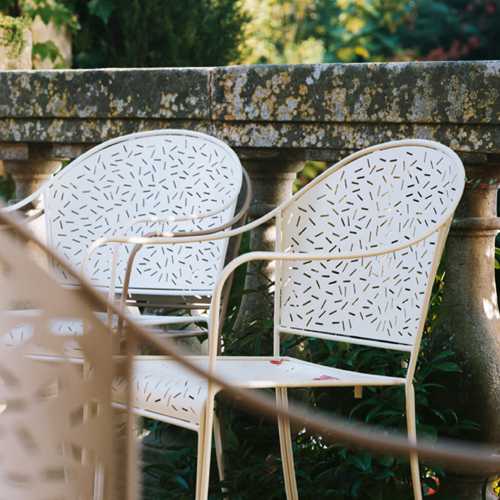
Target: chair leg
412, 436
286, 447
219, 452
204, 451
199, 456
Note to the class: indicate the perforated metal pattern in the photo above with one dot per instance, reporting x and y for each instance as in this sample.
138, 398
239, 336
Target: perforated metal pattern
379, 200
167, 174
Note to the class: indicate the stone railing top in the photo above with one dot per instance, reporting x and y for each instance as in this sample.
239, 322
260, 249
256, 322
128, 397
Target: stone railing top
450, 92
315, 109
106, 93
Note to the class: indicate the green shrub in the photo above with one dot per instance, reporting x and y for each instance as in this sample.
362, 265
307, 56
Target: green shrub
148, 33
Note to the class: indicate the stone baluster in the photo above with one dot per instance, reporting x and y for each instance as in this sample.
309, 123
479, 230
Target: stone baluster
272, 183
29, 176
30, 170
469, 316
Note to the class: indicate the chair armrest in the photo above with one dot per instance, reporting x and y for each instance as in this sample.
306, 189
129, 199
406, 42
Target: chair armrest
30, 216
27, 217
214, 325
175, 238
140, 242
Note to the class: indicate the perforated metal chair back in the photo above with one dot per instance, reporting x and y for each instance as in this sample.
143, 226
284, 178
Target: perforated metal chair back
174, 175
378, 199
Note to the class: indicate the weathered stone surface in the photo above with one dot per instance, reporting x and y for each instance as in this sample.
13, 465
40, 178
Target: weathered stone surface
317, 141
84, 131
14, 151
91, 94
352, 136
444, 92
314, 110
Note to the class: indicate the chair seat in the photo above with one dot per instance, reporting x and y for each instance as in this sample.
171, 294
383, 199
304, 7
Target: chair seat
167, 391
22, 327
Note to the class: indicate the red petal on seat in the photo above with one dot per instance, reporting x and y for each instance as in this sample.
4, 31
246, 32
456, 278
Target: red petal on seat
325, 377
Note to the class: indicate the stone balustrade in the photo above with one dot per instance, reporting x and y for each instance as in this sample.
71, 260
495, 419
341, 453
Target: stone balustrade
278, 116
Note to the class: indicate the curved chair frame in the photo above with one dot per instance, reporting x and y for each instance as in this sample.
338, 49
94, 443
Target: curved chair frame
438, 230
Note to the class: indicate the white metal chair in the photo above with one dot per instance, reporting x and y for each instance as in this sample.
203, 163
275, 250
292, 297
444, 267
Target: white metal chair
357, 250
165, 180
57, 434
178, 181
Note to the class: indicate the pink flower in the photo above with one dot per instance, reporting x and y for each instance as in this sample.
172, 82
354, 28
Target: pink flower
429, 490
325, 377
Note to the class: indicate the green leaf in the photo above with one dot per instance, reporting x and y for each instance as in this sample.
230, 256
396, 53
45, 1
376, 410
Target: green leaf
46, 50
449, 367
362, 462
443, 355
386, 461
101, 9
182, 482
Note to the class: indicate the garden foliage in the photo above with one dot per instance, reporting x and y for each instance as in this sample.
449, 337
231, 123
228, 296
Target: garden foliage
308, 31
149, 33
